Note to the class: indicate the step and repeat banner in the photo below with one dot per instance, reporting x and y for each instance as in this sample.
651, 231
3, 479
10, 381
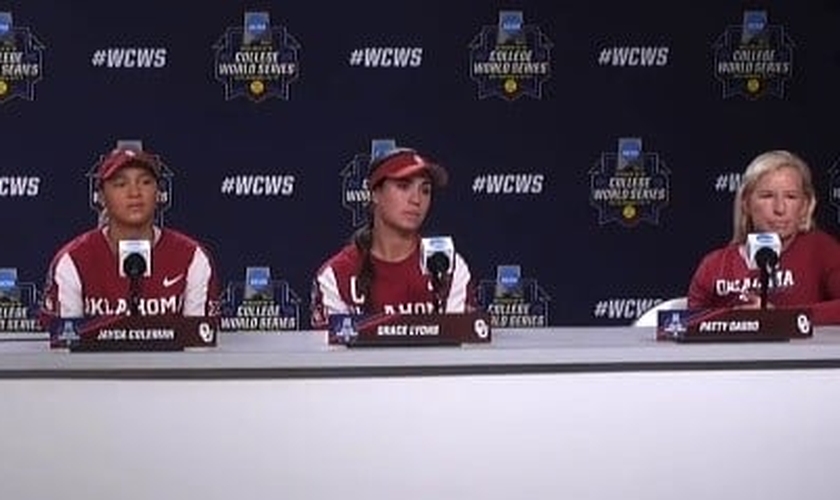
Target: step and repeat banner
594, 148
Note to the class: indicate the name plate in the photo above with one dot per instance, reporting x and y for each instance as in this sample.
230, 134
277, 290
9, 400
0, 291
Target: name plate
736, 325
410, 330
133, 333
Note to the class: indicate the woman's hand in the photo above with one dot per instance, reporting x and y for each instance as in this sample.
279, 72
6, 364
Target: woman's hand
751, 301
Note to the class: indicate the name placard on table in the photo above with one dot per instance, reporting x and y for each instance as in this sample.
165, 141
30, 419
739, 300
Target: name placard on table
734, 325
410, 330
133, 333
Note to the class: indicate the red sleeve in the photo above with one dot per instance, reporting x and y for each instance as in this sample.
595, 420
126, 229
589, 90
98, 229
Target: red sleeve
827, 312
63, 296
325, 297
47, 310
701, 289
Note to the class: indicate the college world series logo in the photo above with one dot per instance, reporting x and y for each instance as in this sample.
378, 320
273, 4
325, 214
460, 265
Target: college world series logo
630, 185
18, 304
257, 60
754, 59
354, 189
21, 56
513, 301
164, 201
511, 59
260, 304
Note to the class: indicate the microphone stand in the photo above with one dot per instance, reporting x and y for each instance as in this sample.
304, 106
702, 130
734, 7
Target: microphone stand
134, 295
134, 266
437, 291
765, 284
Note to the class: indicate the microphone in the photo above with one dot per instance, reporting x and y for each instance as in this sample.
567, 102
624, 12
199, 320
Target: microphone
135, 262
763, 250
766, 258
438, 264
134, 265
437, 260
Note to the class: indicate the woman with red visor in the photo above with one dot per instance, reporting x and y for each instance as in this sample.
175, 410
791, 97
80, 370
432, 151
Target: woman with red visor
84, 278
379, 271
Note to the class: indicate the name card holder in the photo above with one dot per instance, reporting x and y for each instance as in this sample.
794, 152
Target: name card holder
734, 325
401, 330
133, 333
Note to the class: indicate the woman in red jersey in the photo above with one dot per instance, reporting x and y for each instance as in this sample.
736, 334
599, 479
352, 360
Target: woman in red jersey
380, 271
84, 278
776, 195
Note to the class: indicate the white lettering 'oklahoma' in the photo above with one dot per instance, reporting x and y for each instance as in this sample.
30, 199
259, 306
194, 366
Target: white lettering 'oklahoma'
783, 278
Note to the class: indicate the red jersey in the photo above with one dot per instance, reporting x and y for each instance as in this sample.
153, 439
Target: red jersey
84, 279
398, 287
808, 275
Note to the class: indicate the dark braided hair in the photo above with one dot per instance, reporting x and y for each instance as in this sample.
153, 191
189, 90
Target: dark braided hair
363, 237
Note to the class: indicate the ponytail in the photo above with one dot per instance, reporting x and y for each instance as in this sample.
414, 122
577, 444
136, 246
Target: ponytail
363, 239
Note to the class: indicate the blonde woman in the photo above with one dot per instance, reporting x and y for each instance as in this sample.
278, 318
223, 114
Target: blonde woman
776, 195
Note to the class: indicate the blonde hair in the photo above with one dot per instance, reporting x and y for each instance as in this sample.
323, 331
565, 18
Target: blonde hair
762, 164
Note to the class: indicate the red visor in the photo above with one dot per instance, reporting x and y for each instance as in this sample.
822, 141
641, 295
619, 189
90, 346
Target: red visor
120, 158
406, 165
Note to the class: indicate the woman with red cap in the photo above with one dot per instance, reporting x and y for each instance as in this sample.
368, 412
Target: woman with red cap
380, 270
84, 278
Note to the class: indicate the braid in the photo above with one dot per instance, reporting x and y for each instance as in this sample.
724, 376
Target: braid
103, 218
363, 239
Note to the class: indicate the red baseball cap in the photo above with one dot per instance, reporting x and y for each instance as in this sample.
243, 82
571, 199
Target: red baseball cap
120, 158
402, 163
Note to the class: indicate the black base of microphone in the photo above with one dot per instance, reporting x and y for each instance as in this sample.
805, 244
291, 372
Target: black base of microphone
134, 306
134, 296
438, 287
765, 284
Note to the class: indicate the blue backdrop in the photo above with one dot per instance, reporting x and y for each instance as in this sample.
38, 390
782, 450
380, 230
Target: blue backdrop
704, 87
